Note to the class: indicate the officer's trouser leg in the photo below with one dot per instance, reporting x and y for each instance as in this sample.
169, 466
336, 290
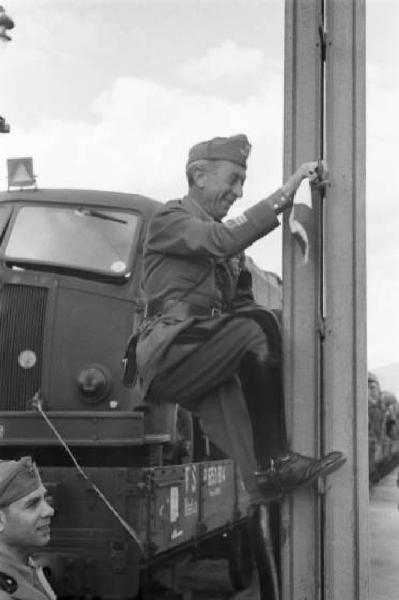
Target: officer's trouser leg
224, 419
203, 378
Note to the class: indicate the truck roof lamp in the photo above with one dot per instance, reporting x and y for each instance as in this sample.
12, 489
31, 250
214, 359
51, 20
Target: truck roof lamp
20, 173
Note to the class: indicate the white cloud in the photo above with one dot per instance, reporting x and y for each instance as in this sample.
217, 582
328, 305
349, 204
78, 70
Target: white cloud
140, 136
142, 133
227, 62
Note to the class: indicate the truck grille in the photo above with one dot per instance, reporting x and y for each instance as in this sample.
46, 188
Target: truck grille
22, 314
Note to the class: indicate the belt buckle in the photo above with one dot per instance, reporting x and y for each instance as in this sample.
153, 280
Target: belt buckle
216, 311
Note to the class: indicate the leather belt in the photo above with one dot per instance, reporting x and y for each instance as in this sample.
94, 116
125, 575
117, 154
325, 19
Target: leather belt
188, 309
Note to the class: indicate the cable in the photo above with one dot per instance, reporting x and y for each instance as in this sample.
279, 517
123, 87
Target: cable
37, 405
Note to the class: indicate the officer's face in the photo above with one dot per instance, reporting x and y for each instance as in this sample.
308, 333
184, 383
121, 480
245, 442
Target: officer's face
26, 522
222, 185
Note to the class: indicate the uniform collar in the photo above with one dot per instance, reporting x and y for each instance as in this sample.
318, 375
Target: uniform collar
11, 560
195, 208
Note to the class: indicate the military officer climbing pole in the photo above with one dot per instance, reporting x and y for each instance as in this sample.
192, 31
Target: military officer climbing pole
204, 343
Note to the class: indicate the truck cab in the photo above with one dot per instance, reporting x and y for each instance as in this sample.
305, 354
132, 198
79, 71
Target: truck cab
70, 296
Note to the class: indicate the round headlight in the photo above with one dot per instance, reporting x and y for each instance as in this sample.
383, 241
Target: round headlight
94, 383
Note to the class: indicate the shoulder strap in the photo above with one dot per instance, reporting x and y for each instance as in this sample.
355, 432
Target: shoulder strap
198, 283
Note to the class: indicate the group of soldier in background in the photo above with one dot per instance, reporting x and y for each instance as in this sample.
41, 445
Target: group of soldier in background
383, 432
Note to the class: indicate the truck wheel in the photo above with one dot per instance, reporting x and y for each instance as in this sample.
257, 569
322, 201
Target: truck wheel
240, 558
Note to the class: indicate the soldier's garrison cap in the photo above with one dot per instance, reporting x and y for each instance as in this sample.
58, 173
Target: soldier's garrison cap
18, 478
372, 378
235, 149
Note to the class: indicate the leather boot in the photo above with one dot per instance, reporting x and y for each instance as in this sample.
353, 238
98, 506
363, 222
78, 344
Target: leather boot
280, 471
261, 382
293, 470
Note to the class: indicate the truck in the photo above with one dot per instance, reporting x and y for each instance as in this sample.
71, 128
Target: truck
137, 489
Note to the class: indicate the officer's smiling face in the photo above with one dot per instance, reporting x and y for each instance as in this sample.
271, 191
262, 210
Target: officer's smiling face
25, 523
222, 184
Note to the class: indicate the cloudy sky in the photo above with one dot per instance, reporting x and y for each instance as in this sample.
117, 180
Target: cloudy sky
109, 94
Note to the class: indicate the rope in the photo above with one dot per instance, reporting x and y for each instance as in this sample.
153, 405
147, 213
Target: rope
37, 404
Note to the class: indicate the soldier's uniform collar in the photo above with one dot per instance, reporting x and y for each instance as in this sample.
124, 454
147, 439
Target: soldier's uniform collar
196, 209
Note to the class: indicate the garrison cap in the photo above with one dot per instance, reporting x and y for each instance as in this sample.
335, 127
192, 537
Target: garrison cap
235, 149
389, 398
18, 478
372, 378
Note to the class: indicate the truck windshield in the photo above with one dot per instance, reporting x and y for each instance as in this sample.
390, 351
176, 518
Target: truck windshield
82, 238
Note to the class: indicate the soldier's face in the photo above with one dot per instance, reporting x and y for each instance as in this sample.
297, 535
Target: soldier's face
374, 390
222, 185
26, 522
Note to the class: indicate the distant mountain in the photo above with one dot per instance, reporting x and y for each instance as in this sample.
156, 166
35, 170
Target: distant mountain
388, 377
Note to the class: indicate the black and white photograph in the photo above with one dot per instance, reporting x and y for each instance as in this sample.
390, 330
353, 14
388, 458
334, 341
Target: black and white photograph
198, 291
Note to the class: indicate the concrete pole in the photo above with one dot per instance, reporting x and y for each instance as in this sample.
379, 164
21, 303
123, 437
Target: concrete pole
345, 372
324, 535
301, 548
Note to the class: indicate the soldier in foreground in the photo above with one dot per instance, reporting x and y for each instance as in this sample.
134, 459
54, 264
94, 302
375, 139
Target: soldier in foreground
25, 519
205, 344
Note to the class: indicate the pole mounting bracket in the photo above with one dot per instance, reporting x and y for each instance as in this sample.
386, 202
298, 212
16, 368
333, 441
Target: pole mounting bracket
323, 42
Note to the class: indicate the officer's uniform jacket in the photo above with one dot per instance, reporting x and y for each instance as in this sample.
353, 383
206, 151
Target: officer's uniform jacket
189, 257
23, 581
